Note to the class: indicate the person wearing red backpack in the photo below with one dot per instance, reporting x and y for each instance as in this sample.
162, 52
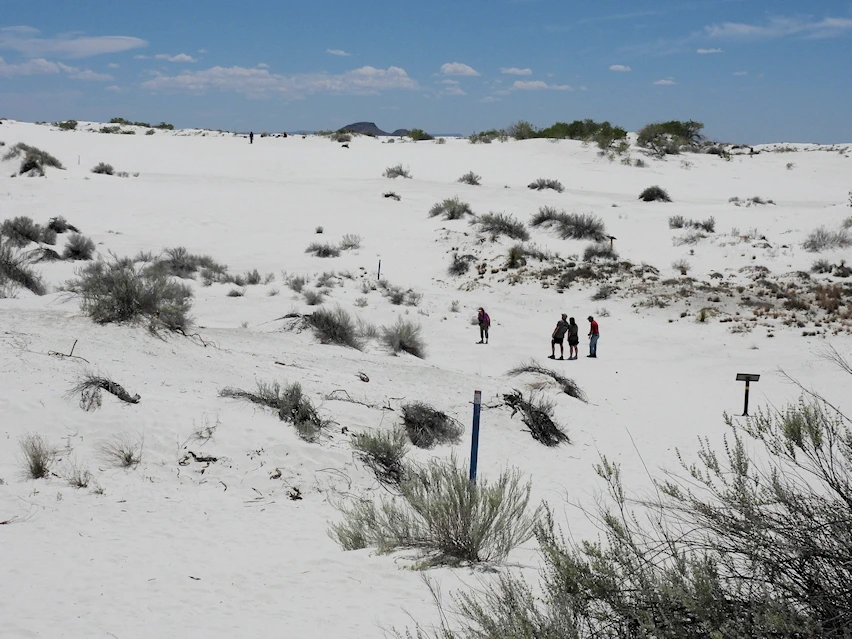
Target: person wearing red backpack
484, 325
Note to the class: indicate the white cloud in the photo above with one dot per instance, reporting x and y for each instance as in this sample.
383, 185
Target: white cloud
489, 98
453, 90
740, 73
39, 66
260, 83
202, 51
449, 81
539, 85
180, 57
115, 89
782, 27
83, 74
113, 65
25, 40
620, 67
339, 52
458, 68
707, 51
141, 57
263, 65
516, 71
665, 82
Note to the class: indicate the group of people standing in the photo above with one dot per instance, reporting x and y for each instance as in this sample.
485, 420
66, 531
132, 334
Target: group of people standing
564, 327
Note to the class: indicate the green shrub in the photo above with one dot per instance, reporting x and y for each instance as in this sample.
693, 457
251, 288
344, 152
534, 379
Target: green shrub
110, 129
654, 194
451, 209
335, 327
418, 135
33, 160
78, 247
404, 336
115, 292
541, 184
289, 402
444, 516
516, 257
384, 453
66, 125
427, 426
497, 224
103, 169
459, 264
20, 231
470, 178
670, 138
323, 250
522, 130
571, 226
397, 171
600, 250
823, 239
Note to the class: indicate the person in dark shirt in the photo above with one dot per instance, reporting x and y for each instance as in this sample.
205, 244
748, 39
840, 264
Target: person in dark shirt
573, 339
558, 336
484, 324
594, 335
251, 137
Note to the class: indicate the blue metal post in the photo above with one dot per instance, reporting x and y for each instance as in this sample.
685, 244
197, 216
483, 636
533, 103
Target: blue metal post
474, 443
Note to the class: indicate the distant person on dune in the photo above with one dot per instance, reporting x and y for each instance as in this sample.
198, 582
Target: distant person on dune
558, 336
594, 334
484, 324
573, 339
251, 137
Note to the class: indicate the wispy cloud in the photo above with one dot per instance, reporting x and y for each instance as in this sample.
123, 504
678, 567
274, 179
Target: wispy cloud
707, 51
453, 89
113, 65
338, 52
40, 66
458, 68
515, 71
781, 28
260, 83
263, 65
489, 99
740, 73
180, 57
449, 81
83, 74
538, 85
27, 41
620, 67
665, 82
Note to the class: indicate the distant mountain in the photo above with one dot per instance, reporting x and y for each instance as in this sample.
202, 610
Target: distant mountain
364, 128
400, 132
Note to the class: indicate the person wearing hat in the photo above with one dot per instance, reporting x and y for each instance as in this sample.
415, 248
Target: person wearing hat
594, 334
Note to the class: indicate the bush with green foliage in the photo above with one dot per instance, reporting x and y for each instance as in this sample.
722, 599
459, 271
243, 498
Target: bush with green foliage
670, 138
33, 160
470, 178
497, 224
118, 291
516, 257
571, 226
110, 129
451, 209
66, 125
384, 453
486, 137
103, 169
323, 250
335, 327
824, 239
654, 194
20, 231
444, 516
459, 264
418, 135
78, 247
522, 130
289, 402
404, 336
427, 426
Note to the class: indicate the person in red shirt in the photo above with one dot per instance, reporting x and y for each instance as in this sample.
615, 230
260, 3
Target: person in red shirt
594, 334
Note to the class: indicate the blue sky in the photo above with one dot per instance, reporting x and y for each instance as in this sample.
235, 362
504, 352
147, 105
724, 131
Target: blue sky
751, 70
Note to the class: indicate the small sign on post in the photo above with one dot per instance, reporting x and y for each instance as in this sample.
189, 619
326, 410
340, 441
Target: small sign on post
747, 377
474, 438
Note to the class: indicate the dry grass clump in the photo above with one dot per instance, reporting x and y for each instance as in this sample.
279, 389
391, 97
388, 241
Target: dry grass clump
451, 209
823, 239
313, 298
33, 160
397, 171
335, 327
601, 250
384, 453
568, 386
323, 250
22, 230
537, 413
497, 224
404, 336
570, 226
654, 194
60, 225
541, 184
350, 242
459, 264
15, 270
444, 516
122, 450
470, 178
103, 169
427, 426
38, 456
289, 402
91, 383
79, 248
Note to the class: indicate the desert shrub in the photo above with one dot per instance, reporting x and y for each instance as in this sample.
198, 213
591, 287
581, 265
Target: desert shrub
48, 236
398, 296
296, 283
15, 269
677, 222
427, 426
418, 135
541, 184
334, 327
323, 250
103, 169
823, 239
392, 195
340, 136
470, 178
571, 226
122, 450
604, 292
20, 231
289, 402
119, 292
690, 238
497, 224
404, 336
451, 209
600, 250
708, 225
459, 264
821, 266
682, 266
33, 160
236, 292
654, 194
319, 230
38, 456
179, 262
66, 125
568, 386
79, 247
847, 223
91, 384
110, 130
367, 331
361, 302
516, 257
313, 298
521, 130
397, 171
77, 476
670, 138
537, 414
61, 225
455, 307
384, 453
252, 278
350, 242
444, 516
486, 137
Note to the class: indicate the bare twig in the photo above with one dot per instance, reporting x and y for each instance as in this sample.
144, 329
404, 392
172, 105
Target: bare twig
71, 354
